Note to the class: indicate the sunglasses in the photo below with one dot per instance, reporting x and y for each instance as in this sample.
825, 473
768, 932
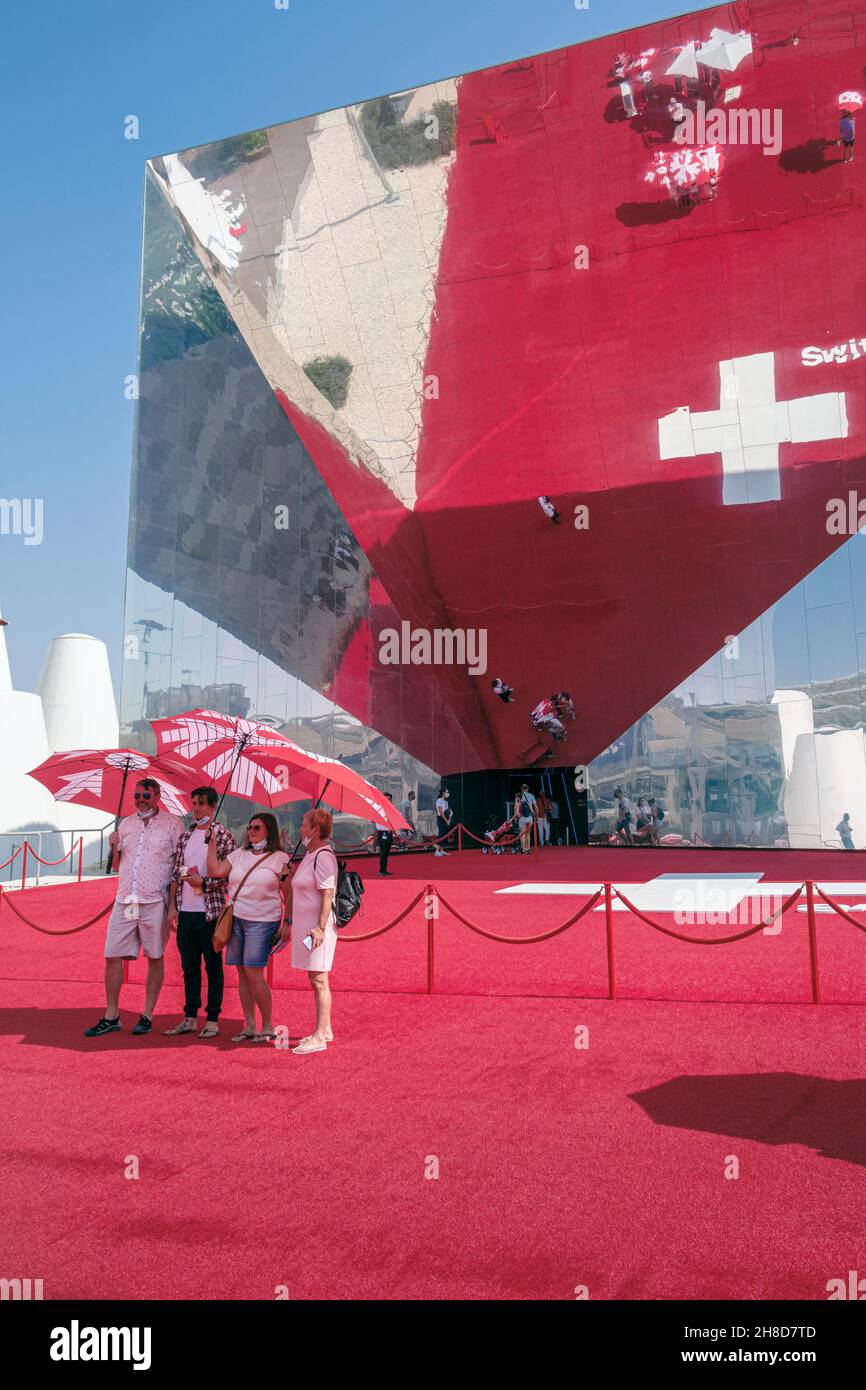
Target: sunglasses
142, 796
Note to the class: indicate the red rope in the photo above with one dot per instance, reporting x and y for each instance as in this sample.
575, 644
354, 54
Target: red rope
49, 863
380, 931
710, 941
71, 931
520, 940
837, 907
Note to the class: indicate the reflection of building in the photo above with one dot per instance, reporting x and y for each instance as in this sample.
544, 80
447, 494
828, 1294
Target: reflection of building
367, 346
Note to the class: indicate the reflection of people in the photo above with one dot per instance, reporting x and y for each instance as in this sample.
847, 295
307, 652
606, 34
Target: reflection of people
846, 831
505, 692
145, 849
443, 820
524, 809
623, 816
542, 807
384, 840
260, 891
846, 136
314, 930
549, 510
407, 806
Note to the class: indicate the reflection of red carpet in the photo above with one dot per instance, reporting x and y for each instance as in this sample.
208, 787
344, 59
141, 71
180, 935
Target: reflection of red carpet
558, 1167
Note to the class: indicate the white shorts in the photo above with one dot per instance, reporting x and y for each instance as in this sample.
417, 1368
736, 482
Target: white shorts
137, 926
524, 822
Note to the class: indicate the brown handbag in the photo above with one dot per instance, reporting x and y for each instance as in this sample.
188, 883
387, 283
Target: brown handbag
225, 922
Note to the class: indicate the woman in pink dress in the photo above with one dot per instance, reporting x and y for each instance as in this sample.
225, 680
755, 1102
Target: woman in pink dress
314, 933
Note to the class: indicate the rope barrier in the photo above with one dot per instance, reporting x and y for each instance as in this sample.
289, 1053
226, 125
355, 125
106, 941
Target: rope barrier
838, 908
71, 931
520, 940
51, 863
380, 931
710, 941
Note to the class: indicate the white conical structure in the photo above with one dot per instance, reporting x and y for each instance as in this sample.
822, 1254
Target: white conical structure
23, 744
77, 694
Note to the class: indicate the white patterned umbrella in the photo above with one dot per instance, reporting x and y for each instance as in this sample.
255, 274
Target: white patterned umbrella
724, 51
256, 762
685, 64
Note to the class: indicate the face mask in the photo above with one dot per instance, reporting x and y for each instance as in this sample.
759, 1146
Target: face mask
146, 815
258, 844
203, 820
306, 840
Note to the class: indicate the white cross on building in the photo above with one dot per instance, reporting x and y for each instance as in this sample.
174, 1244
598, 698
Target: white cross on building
749, 426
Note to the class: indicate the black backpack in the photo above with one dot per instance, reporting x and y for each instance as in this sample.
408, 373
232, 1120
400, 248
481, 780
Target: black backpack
525, 807
661, 814
350, 890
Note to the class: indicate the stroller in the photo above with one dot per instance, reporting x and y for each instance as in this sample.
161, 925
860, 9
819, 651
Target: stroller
497, 841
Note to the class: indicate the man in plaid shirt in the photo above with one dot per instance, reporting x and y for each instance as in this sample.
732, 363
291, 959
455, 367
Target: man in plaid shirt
194, 904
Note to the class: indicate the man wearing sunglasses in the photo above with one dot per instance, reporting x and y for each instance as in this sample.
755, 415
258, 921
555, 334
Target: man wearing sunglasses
144, 848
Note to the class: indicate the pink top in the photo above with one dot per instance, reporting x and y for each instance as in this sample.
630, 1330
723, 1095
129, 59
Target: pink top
316, 871
146, 850
260, 899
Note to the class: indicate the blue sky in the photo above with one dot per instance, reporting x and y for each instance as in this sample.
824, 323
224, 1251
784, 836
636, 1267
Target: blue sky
73, 193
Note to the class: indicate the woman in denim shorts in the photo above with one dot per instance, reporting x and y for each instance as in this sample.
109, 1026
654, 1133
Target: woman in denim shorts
262, 911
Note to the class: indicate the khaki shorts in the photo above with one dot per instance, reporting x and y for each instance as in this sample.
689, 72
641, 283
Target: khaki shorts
137, 926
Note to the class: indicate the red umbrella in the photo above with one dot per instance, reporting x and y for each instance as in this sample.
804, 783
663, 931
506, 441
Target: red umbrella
100, 778
256, 762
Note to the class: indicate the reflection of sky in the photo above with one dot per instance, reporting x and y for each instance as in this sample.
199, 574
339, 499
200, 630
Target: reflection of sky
809, 635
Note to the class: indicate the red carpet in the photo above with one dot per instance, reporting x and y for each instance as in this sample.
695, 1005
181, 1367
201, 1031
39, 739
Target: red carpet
558, 1166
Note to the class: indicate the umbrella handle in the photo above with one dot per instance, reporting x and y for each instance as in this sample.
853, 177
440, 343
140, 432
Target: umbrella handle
110, 859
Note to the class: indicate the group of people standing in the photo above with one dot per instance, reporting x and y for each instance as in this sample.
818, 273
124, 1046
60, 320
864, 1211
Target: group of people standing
176, 878
637, 821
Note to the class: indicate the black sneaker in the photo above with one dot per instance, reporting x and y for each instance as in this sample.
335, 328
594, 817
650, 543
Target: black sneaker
143, 1025
105, 1025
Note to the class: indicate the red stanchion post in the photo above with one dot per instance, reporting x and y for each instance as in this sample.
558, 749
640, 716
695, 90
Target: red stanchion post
431, 907
269, 973
608, 927
813, 940
24, 867
124, 975
459, 837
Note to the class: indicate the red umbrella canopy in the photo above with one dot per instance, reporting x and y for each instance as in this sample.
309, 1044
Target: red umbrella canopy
95, 777
256, 762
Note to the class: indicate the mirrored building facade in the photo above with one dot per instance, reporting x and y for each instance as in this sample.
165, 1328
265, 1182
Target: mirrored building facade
372, 340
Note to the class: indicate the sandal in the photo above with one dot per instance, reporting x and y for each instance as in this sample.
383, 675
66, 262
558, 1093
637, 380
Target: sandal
210, 1029
246, 1036
307, 1045
188, 1025
264, 1037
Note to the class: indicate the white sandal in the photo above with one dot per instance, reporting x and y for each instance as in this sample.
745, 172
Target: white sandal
307, 1045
